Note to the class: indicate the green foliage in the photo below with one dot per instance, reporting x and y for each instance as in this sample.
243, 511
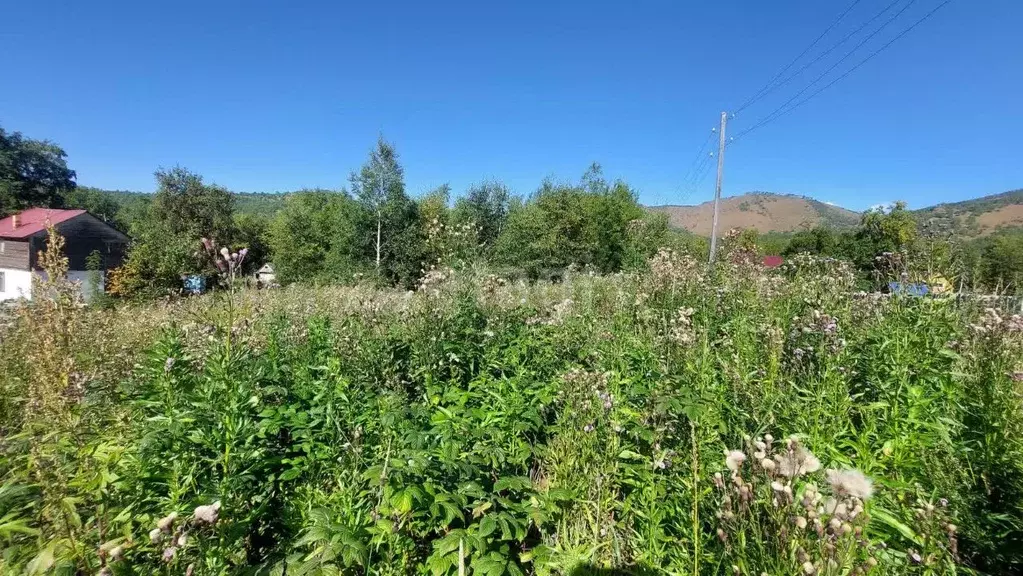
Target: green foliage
561, 428
484, 206
252, 231
185, 206
183, 210
97, 203
587, 225
32, 173
1002, 261
389, 230
316, 236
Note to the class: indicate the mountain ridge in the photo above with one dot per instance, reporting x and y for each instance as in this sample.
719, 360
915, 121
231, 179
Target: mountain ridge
769, 212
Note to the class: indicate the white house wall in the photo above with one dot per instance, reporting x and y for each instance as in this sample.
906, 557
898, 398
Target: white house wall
17, 284
84, 277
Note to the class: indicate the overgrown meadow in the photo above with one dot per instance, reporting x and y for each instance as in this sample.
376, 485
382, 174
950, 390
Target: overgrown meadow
686, 420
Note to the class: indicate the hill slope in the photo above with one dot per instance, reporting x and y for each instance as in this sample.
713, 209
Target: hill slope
762, 211
980, 216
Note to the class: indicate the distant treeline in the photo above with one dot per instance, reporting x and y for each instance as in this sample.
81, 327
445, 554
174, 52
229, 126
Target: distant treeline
372, 229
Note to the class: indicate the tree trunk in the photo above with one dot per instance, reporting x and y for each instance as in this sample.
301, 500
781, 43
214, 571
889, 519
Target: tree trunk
378, 241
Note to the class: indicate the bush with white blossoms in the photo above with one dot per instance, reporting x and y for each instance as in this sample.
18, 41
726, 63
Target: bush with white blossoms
170, 540
780, 512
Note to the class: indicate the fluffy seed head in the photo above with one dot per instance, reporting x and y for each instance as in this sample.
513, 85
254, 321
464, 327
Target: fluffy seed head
734, 459
851, 483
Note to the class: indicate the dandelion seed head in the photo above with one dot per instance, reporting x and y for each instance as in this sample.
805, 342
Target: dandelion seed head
851, 483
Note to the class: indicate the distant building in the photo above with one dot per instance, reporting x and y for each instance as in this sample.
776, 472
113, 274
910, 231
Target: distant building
265, 276
23, 235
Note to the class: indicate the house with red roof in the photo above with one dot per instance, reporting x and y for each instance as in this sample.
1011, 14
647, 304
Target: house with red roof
23, 235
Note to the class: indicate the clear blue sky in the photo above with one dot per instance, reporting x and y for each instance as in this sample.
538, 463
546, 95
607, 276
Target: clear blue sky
269, 95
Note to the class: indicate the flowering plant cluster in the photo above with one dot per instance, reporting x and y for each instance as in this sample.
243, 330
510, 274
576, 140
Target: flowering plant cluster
779, 513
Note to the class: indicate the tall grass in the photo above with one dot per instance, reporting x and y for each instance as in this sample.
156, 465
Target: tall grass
494, 427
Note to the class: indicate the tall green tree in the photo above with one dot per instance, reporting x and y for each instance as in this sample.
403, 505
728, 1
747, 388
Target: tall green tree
33, 173
97, 202
485, 207
820, 240
391, 218
315, 237
183, 210
589, 224
1003, 262
184, 204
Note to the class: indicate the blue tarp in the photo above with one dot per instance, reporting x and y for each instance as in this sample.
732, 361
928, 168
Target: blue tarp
908, 288
195, 284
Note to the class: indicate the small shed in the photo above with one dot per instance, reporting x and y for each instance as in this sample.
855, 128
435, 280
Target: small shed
265, 275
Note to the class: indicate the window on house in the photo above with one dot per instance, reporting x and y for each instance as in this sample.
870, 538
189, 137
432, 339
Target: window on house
2, 287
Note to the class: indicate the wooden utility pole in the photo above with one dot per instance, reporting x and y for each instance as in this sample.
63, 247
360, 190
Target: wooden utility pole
717, 189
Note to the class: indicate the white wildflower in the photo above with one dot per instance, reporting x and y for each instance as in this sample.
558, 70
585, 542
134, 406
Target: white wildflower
734, 459
851, 483
155, 535
167, 522
207, 514
798, 461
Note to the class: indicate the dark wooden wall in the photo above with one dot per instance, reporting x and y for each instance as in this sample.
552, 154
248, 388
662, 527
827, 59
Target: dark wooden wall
83, 235
15, 254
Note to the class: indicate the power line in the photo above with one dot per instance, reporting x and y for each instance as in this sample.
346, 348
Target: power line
821, 56
767, 87
846, 57
689, 186
699, 155
832, 68
781, 111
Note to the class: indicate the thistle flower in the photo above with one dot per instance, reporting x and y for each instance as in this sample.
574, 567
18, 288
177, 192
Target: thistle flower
117, 553
734, 459
851, 483
169, 553
207, 514
165, 523
155, 535
798, 461
168, 364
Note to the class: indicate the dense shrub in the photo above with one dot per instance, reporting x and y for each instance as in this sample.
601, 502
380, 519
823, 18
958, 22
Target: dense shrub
687, 420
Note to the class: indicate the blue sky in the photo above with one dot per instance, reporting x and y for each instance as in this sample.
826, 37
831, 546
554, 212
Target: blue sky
268, 95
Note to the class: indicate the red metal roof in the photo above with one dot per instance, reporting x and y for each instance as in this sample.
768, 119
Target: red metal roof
33, 221
773, 261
